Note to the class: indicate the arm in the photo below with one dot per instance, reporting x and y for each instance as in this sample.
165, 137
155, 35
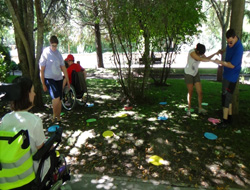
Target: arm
64, 70
224, 63
210, 57
221, 51
40, 146
42, 78
198, 58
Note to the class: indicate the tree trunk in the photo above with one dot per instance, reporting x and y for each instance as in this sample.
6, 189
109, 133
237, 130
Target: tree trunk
98, 46
146, 61
223, 46
40, 29
98, 42
22, 12
238, 7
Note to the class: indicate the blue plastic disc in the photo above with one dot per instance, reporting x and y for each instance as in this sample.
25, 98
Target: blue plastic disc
163, 103
163, 118
90, 105
53, 128
210, 136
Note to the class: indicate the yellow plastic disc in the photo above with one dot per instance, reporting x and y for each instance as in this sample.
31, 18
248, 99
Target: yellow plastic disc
123, 115
156, 160
107, 134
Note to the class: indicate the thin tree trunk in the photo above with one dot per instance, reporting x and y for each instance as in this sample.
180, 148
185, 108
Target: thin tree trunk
238, 7
98, 46
98, 42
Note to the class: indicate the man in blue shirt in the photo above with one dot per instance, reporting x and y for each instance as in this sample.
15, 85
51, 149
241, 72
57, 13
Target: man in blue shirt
232, 67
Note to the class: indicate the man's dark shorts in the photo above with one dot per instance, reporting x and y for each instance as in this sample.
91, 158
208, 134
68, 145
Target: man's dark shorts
227, 92
54, 88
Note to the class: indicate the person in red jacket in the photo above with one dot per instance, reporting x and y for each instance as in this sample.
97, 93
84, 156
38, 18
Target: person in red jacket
74, 66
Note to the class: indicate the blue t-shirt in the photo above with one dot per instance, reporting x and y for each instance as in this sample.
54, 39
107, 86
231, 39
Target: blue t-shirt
234, 56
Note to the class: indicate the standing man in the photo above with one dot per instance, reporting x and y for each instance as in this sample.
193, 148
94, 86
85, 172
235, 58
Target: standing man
51, 67
232, 67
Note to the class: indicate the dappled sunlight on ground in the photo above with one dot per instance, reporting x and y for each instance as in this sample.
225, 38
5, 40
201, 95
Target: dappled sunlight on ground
138, 135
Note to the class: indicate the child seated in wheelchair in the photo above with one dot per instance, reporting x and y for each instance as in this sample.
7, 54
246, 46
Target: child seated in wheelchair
77, 78
74, 66
22, 120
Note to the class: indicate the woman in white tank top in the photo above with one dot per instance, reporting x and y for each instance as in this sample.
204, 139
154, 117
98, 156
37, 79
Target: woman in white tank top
192, 77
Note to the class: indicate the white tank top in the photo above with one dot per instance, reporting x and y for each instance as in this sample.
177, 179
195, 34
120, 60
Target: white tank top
192, 65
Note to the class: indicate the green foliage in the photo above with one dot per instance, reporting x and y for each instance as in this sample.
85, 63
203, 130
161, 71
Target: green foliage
5, 19
4, 68
246, 41
5, 62
146, 25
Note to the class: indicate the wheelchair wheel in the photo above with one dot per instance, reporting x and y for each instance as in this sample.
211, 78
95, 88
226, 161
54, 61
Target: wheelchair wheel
69, 98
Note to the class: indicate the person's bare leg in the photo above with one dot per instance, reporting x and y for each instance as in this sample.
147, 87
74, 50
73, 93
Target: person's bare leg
230, 110
199, 92
190, 88
225, 113
57, 107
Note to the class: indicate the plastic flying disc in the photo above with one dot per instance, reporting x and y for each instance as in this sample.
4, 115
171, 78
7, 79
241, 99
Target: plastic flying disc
162, 118
107, 134
204, 104
90, 105
123, 115
128, 108
191, 110
156, 160
90, 120
213, 120
210, 136
53, 128
163, 103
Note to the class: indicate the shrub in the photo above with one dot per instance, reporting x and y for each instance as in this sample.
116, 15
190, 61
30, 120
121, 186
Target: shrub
4, 68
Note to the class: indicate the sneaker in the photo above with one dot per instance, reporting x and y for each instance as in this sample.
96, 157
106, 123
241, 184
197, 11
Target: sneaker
202, 111
188, 113
222, 125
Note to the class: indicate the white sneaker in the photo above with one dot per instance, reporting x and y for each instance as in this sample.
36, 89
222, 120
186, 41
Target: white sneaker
188, 113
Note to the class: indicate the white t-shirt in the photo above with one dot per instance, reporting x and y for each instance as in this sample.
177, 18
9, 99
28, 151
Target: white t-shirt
192, 65
52, 60
18, 120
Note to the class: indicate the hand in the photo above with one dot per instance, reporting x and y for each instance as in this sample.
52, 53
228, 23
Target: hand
217, 61
44, 88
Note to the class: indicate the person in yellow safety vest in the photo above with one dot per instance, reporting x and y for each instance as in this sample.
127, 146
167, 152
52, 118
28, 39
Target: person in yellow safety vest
23, 171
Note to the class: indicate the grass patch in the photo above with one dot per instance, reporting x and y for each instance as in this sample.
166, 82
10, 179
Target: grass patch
189, 158
202, 71
11, 78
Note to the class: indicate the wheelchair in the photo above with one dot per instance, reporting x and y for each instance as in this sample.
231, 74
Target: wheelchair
77, 94
17, 162
16, 166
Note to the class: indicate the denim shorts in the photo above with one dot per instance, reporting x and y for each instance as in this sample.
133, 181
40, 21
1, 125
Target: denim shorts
54, 87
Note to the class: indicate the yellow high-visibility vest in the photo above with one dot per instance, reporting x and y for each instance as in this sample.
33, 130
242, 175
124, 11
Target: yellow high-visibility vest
16, 163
